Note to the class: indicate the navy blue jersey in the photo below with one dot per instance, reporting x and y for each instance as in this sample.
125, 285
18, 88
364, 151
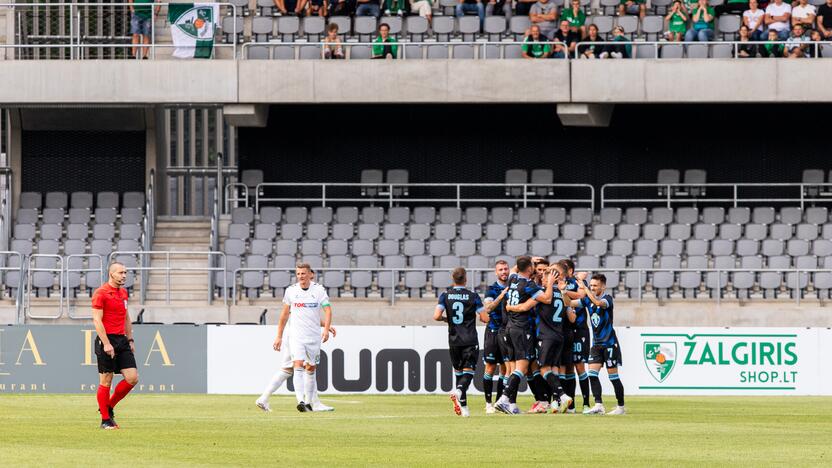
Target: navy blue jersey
520, 290
580, 319
603, 333
461, 306
551, 318
495, 317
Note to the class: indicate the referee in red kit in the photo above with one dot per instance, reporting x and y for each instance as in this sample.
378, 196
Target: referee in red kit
114, 345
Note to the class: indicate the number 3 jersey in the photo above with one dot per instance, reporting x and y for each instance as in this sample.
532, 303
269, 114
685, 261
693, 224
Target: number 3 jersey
462, 307
600, 319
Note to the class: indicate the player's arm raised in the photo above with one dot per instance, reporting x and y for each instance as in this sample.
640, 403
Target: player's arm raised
491, 305
567, 299
598, 302
281, 325
98, 321
524, 307
546, 297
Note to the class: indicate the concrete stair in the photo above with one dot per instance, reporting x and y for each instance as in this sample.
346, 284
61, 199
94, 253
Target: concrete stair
183, 234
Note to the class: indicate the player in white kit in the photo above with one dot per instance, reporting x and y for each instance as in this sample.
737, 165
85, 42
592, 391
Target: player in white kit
302, 304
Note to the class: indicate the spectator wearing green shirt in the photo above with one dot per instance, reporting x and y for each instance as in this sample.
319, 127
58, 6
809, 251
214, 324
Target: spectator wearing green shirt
621, 50
702, 23
386, 45
141, 26
576, 17
771, 48
677, 21
535, 45
633, 7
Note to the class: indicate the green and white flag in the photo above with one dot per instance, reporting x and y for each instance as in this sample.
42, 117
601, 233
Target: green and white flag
192, 28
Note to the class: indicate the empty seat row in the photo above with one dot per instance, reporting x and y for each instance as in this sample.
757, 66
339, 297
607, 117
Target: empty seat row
78, 216
36, 200
77, 231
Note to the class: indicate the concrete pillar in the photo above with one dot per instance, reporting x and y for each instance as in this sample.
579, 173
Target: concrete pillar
585, 115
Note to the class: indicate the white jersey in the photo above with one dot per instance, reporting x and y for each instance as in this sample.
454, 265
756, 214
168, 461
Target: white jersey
305, 311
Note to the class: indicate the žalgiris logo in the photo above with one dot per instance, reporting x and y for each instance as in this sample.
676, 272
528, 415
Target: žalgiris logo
195, 22
721, 361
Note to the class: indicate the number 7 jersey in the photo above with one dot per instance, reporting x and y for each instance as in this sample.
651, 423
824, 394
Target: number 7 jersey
461, 306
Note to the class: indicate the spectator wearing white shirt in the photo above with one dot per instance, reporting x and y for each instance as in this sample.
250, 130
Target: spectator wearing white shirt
796, 44
778, 16
754, 19
804, 14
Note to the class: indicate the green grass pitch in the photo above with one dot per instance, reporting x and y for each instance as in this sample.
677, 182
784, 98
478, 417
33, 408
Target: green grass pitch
178, 430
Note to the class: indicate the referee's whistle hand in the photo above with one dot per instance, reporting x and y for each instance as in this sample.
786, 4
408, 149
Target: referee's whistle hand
108, 348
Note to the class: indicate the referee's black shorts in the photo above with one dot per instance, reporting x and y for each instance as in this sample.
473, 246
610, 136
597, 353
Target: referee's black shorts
123, 359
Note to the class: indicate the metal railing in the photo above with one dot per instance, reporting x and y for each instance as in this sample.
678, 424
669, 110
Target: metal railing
214, 240
491, 50
149, 226
734, 46
235, 193
67, 273
21, 271
392, 194
735, 194
62, 30
168, 269
32, 268
190, 175
721, 274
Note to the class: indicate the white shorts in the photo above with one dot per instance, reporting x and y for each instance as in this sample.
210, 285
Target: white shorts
309, 353
286, 353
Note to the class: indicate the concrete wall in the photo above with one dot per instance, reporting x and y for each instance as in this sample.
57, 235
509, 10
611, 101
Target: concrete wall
311, 81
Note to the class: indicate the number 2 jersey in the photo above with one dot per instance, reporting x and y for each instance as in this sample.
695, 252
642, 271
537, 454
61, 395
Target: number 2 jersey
603, 334
551, 318
520, 290
462, 307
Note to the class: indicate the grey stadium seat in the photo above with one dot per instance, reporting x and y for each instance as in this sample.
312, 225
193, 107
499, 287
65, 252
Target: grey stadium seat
566, 247
610, 216
522, 231
413, 247
528, 215
629, 232
573, 231
130, 231
398, 215
763, 215
603, 232
671, 247
791, 215
103, 231
362, 247
286, 247
31, 200
720, 247
450, 215
636, 216
806, 231
491, 248
77, 232
131, 216
106, 200
646, 247
653, 231
713, 215
56, 200
261, 247
755, 232
476, 215
780, 231
464, 248
346, 215
661, 215
582, 216
133, 200
797, 247
747, 247
419, 231
291, 231
320, 215
271, 214
679, 232
817, 215
496, 231
502, 215
242, 215
336, 247
697, 247
516, 248
105, 215
317, 231
548, 231
444, 231
27, 216
53, 216
730, 231
424, 215
739, 215
704, 231
621, 247
238, 231
770, 248
470, 231
368, 231
541, 247
296, 215
265, 231
554, 215
595, 247
81, 200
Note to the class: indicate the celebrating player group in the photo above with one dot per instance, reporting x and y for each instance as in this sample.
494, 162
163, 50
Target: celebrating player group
537, 319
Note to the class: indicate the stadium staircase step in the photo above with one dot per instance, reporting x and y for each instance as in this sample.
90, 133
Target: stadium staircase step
185, 234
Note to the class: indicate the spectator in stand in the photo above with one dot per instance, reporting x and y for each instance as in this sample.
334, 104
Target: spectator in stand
804, 14
318, 7
816, 49
366, 8
332, 44
633, 7
796, 44
576, 17
677, 21
544, 13
340, 7
141, 25
825, 20
540, 47
778, 15
386, 46
522, 7
591, 51
772, 48
423, 8
394, 7
474, 6
499, 8
732, 6
702, 23
297, 7
744, 49
566, 36
754, 19
617, 51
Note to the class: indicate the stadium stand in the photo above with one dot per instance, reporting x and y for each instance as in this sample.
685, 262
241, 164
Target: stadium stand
67, 240
656, 251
